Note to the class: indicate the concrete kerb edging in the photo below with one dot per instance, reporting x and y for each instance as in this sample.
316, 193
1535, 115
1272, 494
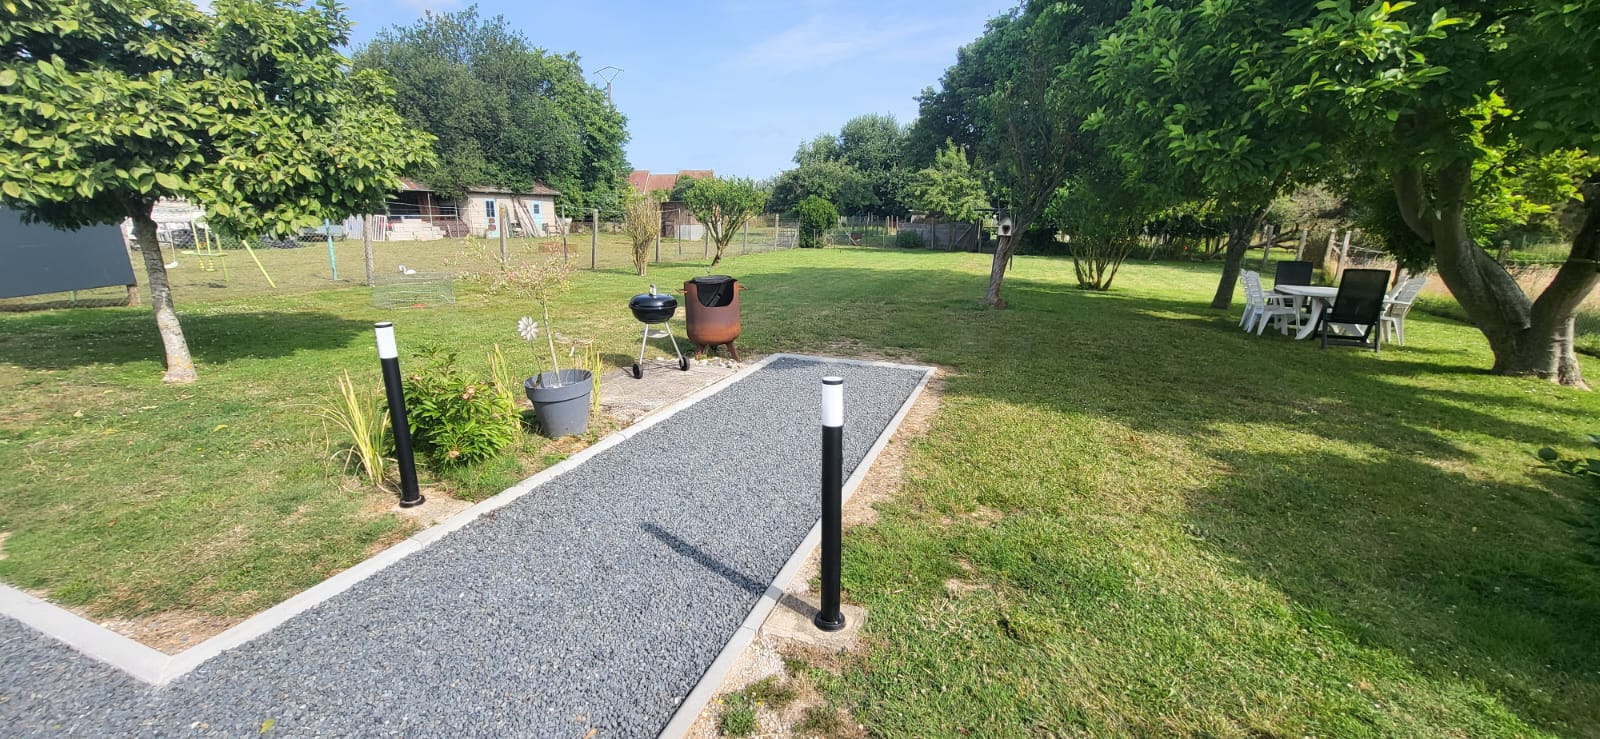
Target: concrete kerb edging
689, 710
157, 668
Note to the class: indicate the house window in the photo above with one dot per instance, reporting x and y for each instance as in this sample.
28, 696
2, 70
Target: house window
488, 208
536, 209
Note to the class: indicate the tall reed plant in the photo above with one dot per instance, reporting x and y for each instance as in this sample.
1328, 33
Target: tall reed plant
358, 425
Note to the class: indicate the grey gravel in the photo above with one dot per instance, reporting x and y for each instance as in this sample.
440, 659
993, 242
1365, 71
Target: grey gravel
595, 601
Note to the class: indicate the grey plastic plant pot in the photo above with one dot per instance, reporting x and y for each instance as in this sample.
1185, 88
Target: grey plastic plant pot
564, 410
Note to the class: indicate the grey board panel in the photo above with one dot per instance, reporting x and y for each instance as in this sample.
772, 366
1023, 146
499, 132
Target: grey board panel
36, 259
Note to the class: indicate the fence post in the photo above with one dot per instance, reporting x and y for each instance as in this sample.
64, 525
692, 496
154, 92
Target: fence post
1344, 254
744, 238
1268, 233
504, 224
366, 245
327, 230
594, 237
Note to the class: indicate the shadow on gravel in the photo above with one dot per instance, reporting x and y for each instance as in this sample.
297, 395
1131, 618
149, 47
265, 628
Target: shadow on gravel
705, 560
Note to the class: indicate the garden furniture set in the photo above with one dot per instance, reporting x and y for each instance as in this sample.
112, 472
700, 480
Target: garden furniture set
1360, 311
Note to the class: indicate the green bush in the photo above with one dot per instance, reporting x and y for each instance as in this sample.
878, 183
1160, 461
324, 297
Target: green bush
909, 239
456, 419
817, 217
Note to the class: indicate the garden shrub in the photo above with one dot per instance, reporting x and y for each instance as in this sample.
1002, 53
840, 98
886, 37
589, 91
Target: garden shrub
456, 418
909, 239
817, 217
1588, 467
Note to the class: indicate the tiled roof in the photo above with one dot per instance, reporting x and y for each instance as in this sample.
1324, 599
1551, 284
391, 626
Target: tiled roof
643, 181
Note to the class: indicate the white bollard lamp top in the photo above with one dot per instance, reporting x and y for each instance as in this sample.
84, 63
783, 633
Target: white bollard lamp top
833, 401
386, 345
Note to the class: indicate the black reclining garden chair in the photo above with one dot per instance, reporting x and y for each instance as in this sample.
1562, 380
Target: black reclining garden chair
1292, 273
1358, 305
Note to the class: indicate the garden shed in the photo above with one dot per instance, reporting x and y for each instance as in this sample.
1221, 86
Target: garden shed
532, 212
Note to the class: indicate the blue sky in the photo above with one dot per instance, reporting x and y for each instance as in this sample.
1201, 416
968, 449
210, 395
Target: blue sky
736, 86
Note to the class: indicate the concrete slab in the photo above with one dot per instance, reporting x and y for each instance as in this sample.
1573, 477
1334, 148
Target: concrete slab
791, 622
627, 399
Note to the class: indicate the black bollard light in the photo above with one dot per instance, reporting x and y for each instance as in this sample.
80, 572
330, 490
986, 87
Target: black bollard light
828, 617
389, 356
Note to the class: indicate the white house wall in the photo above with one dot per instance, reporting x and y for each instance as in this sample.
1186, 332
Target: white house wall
475, 215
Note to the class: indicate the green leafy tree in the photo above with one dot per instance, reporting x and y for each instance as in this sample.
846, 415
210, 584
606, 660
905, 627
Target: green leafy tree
1170, 94
950, 188
1026, 128
110, 105
816, 216
723, 205
679, 187
860, 170
1102, 207
504, 112
832, 180
1426, 93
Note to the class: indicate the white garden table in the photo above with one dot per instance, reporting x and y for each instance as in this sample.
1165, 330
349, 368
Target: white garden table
1316, 296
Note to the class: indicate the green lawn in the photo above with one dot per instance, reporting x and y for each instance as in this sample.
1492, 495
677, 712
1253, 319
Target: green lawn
1157, 524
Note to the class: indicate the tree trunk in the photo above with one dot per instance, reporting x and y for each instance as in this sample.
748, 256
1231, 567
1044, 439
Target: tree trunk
180, 367
1004, 248
1240, 229
1528, 338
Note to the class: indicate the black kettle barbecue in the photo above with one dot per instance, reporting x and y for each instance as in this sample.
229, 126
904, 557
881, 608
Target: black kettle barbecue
655, 309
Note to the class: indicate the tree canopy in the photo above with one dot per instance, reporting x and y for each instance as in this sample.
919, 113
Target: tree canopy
950, 188
249, 111
1474, 116
859, 170
504, 112
724, 205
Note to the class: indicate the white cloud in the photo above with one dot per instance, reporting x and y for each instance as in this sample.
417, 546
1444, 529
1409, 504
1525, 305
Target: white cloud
824, 41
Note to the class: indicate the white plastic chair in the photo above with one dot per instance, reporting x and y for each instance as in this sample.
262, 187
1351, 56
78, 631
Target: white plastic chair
1399, 304
1259, 308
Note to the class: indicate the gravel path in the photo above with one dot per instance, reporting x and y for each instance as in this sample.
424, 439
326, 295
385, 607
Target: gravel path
595, 601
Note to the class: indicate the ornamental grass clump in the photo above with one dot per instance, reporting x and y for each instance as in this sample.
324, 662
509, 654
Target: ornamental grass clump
361, 424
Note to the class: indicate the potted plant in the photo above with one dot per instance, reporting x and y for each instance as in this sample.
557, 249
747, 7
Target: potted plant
560, 397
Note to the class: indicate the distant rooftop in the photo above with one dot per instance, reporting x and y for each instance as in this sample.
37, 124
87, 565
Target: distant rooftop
539, 188
643, 181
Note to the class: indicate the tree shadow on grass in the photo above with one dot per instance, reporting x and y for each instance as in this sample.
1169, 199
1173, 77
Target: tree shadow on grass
79, 338
1494, 581
1472, 574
